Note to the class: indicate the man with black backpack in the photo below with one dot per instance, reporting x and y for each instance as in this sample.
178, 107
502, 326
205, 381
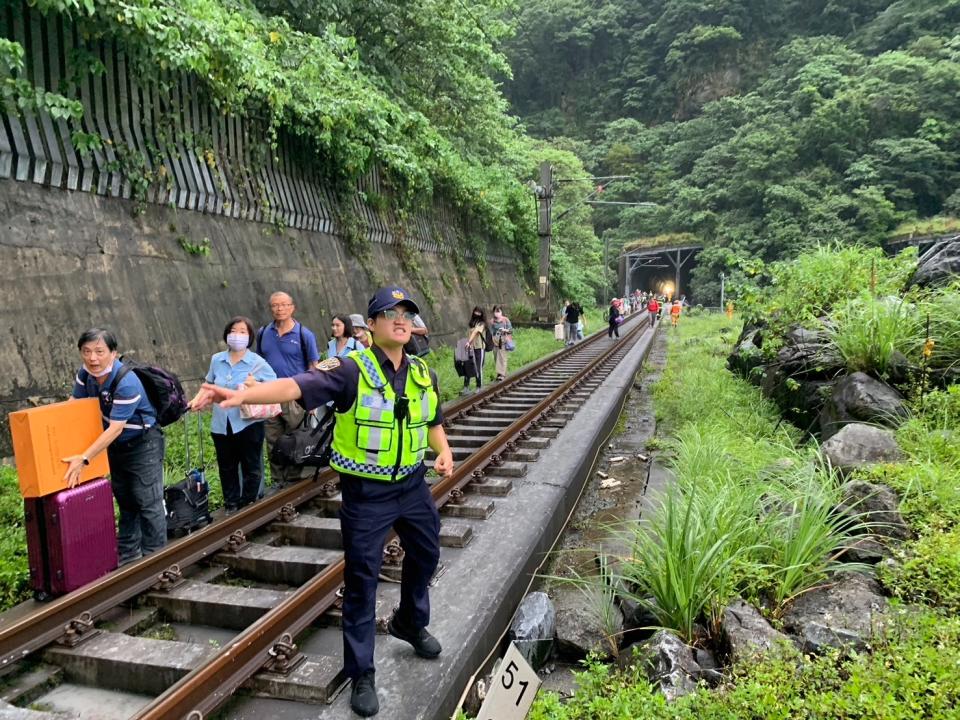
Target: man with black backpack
290, 349
133, 441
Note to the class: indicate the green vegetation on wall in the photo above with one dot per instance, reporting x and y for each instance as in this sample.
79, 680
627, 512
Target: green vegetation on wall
406, 87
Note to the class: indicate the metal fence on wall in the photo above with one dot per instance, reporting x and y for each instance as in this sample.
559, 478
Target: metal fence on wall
165, 144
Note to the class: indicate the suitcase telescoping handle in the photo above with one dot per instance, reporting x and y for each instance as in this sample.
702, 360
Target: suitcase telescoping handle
186, 441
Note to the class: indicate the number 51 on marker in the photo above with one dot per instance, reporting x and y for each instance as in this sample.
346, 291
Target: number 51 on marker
513, 689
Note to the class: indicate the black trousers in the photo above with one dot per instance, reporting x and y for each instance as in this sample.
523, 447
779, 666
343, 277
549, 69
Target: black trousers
368, 510
236, 452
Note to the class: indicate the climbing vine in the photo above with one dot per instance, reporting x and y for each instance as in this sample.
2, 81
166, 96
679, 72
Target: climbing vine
411, 259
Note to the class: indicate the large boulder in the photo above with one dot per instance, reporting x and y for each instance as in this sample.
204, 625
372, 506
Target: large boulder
746, 350
879, 504
809, 354
861, 398
848, 612
747, 633
858, 445
939, 265
579, 630
800, 401
670, 664
533, 628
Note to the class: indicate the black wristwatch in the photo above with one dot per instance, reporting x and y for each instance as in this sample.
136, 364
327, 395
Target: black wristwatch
86, 460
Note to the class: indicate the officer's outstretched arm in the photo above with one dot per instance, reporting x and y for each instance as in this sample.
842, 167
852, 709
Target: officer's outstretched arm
275, 391
437, 439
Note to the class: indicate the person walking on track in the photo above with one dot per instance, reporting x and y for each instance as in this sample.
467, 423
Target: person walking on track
132, 439
614, 319
289, 348
675, 311
387, 414
653, 307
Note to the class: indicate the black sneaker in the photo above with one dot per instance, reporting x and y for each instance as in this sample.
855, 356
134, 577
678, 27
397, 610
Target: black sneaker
363, 699
424, 644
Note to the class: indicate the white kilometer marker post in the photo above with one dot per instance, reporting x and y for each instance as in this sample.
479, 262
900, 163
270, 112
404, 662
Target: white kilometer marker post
512, 690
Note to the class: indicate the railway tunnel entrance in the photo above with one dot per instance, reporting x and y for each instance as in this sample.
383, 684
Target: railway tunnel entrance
659, 265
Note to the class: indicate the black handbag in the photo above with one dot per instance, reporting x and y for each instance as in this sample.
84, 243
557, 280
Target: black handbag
306, 446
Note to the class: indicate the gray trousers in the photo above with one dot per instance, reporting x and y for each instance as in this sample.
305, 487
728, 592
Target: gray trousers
136, 477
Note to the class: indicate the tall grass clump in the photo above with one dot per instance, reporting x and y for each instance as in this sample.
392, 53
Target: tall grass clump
943, 309
686, 557
804, 288
751, 511
870, 333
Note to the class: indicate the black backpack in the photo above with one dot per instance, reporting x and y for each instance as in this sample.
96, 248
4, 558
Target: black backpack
163, 389
306, 446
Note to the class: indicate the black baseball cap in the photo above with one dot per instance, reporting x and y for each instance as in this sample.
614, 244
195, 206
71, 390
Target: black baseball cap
388, 297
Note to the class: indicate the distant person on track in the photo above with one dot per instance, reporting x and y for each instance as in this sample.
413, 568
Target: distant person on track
502, 330
614, 319
388, 413
360, 330
237, 440
653, 307
290, 349
571, 316
342, 340
133, 441
479, 339
675, 311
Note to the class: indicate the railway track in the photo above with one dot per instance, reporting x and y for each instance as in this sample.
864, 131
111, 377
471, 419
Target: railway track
279, 560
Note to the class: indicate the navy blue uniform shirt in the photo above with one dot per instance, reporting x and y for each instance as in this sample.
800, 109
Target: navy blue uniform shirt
318, 387
129, 403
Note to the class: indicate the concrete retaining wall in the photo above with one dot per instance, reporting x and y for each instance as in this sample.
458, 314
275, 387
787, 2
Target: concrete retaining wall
70, 260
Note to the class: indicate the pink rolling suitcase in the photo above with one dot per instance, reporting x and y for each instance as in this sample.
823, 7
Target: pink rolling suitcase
71, 538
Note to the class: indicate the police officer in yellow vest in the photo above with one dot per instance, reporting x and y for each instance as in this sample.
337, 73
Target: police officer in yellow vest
387, 414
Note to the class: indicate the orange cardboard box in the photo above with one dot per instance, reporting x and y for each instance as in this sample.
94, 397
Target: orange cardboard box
44, 435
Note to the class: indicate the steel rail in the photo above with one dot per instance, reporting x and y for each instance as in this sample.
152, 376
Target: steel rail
24, 634
208, 686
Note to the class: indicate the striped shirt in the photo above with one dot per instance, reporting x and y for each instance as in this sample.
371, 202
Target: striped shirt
130, 402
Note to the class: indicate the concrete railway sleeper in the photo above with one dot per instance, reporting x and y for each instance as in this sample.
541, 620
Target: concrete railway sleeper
290, 558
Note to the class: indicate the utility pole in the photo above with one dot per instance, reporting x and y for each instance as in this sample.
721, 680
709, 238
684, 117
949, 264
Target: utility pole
722, 279
544, 193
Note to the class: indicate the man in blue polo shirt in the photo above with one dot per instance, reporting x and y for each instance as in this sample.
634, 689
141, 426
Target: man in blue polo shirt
133, 441
291, 349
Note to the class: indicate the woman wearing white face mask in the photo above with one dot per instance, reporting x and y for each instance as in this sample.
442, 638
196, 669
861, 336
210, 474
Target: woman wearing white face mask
502, 330
238, 441
133, 442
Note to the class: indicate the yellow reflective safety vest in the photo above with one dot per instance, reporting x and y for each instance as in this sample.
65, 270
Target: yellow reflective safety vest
383, 437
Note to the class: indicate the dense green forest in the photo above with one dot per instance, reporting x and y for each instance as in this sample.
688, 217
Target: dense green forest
761, 126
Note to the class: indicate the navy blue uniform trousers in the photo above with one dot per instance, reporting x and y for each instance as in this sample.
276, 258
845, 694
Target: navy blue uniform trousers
368, 510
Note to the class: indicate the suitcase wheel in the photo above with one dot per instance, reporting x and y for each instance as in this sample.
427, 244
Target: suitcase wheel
42, 596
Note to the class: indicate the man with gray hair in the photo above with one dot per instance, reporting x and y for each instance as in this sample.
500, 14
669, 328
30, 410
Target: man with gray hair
291, 349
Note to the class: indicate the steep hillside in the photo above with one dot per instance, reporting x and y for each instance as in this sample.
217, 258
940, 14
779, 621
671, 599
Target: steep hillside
746, 122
